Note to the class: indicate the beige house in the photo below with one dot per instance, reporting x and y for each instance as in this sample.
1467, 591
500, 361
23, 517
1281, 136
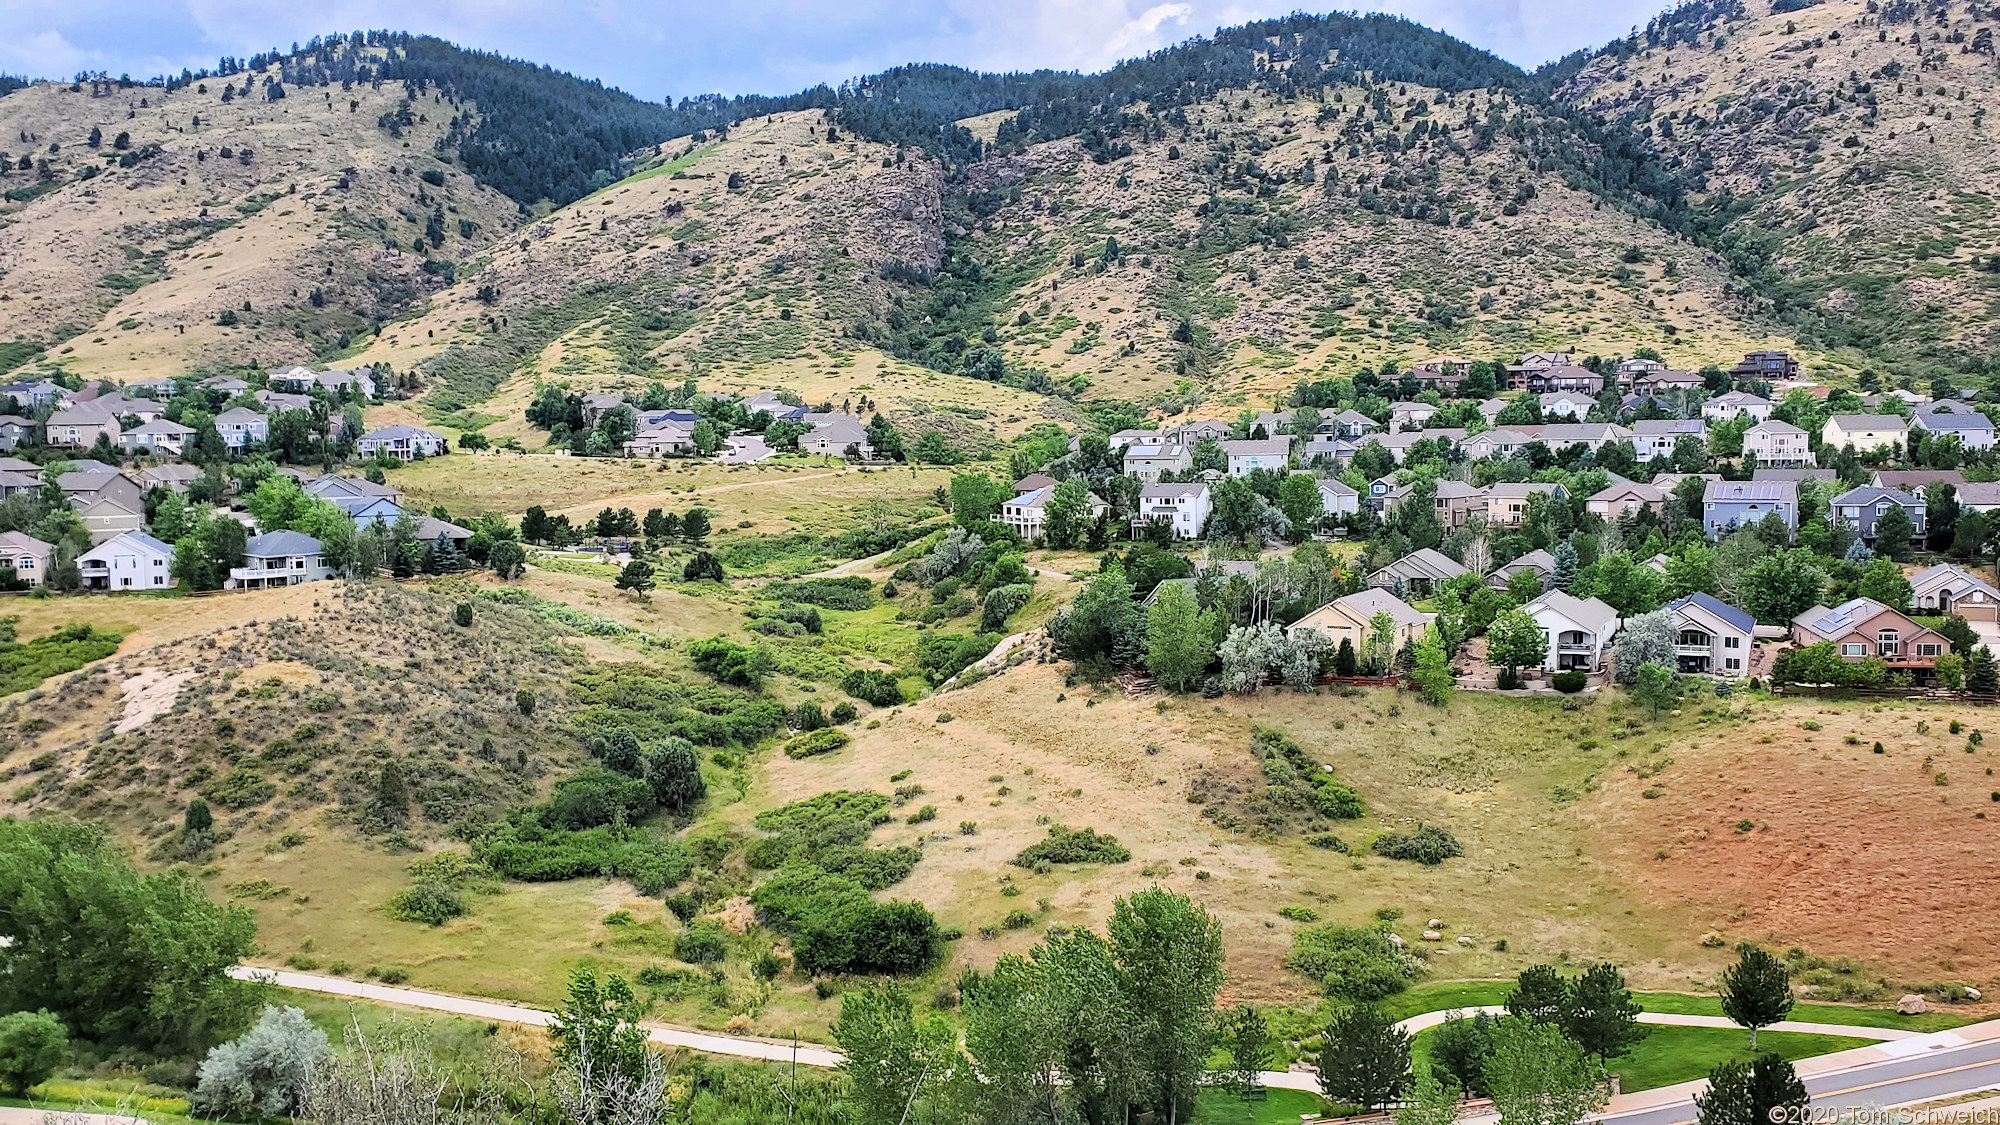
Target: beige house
1777, 443
1864, 431
1347, 618
79, 427
28, 556
1507, 503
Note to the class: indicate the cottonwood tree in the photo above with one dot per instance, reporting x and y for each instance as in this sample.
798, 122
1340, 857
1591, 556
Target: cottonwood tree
1432, 1101
894, 1064
1180, 638
1655, 686
1246, 1036
1514, 640
1538, 1075
1756, 991
1169, 956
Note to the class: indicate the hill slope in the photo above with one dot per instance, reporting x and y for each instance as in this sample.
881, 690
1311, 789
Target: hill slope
1848, 161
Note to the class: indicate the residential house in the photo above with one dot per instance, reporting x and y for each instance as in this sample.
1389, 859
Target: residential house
1860, 508
159, 387
1972, 429
1671, 482
279, 558
227, 384
1537, 562
87, 486
173, 477
1865, 628
79, 427
1765, 367
1559, 377
14, 483
1491, 408
336, 383
1350, 424
1495, 443
1246, 457
1191, 434
429, 528
122, 408
1777, 443
1024, 512
159, 437
403, 442
367, 511
28, 556
1507, 503
1945, 589
33, 396
1182, 507
1796, 476
1450, 365
1658, 437
1666, 381
1122, 438
1340, 451
1566, 404
242, 427
1591, 435
667, 438
1624, 498
1399, 444
1864, 432
1033, 481
1456, 502
16, 431
1977, 496
1404, 415
1735, 404
131, 560
596, 406
1351, 618
1914, 480
1578, 630
1711, 637
1629, 370
1417, 573
1147, 461
335, 487
1337, 498
1383, 491
1729, 504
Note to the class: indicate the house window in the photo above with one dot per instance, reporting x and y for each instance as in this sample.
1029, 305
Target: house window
1854, 650
1886, 643
1732, 663
1732, 642
1930, 650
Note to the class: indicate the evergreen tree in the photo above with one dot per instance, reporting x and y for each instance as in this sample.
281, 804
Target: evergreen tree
1756, 991
1602, 1015
637, 577
695, 526
1981, 676
1541, 995
1564, 575
1747, 1093
1365, 1060
198, 818
1893, 531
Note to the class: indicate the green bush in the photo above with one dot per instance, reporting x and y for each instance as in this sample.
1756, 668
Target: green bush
878, 688
836, 927
940, 656
729, 662
1081, 846
240, 788
1326, 840
1570, 682
22, 666
32, 1046
433, 904
597, 796
1428, 845
529, 851
1290, 770
702, 943
832, 593
1353, 963
822, 741
830, 831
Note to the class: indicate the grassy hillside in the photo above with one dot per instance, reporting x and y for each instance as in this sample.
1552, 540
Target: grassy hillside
125, 260
1845, 151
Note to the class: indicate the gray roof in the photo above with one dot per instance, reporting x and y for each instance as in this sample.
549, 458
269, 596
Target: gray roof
1793, 474
1267, 447
1670, 426
1159, 491
1373, 600
1873, 494
1870, 421
399, 430
1537, 559
1719, 608
1774, 426
1590, 613
1841, 618
1967, 420
1426, 562
239, 414
274, 543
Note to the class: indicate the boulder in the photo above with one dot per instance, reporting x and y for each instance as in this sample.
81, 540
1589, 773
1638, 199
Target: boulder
1465, 940
1911, 1005
1396, 940
1435, 924
1971, 993
1433, 935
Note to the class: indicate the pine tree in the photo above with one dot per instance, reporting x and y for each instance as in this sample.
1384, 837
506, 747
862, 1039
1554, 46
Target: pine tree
1540, 994
1741, 1093
1366, 1059
637, 577
1602, 1014
1981, 676
1756, 991
1566, 567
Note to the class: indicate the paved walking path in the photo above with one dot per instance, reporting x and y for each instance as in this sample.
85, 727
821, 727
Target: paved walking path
776, 1051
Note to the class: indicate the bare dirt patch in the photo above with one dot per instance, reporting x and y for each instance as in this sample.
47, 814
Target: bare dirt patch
1890, 858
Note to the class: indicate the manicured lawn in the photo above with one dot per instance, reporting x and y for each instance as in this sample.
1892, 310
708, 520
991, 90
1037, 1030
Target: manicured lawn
1680, 1054
1281, 1107
1446, 995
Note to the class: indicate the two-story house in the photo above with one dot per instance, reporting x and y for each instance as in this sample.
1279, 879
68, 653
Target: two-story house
79, 427
1410, 415
1865, 432
279, 558
1566, 404
1149, 460
1182, 507
1765, 367
1972, 429
1337, 498
1624, 498
1860, 508
1503, 443
1711, 637
1777, 443
1578, 630
131, 560
1659, 437
1537, 562
1025, 512
1729, 504
1735, 404
28, 556
407, 443
1245, 457
242, 427
1865, 628
1507, 502
160, 437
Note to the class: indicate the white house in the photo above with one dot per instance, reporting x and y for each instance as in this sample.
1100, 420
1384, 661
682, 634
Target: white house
157, 436
404, 443
241, 426
1245, 457
1777, 443
1579, 630
279, 558
1184, 507
1657, 437
28, 556
1727, 407
1864, 431
1566, 404
1337, 498
1711, 637
1972, 429
1403, 414
132, 560
1025, 513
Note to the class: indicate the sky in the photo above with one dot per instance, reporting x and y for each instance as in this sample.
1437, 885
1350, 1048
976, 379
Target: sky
658, 49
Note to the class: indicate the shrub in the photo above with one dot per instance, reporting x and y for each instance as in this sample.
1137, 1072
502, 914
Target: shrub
1288, 768
729, 662
832, 593
240, 788
1066, 846
391, 974
1428, 845
702, 943
843, 712
265, 1072
1569, 683
432, 903
1326, 840
837, 928
1352, 963
598, 796
812, 743
32, 1046
940, 656
462, 613
1298, 913
526, 849
878, 688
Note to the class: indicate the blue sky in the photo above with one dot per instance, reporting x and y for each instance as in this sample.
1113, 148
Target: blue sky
667, 48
